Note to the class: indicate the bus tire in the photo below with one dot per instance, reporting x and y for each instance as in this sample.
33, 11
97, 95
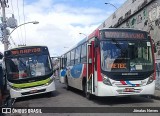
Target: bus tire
67, 86
83, 86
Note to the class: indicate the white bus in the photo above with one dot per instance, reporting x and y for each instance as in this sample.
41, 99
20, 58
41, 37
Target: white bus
29, 71
111, 62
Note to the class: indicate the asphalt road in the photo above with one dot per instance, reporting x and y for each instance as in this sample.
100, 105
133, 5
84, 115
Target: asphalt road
74, 98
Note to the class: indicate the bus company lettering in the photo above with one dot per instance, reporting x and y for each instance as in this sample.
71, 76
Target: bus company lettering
17, 75
25, 51
124, 35
117, 65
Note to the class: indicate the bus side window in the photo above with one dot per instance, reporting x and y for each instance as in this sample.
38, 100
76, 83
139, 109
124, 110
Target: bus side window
80, 50
61, 62
72, 56
77, 55
83, 53
65, 60
68, 58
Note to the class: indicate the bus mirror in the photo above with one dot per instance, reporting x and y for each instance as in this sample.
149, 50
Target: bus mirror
1, 55
96, 42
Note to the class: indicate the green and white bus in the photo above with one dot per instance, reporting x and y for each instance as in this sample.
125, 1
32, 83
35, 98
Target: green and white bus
29, 71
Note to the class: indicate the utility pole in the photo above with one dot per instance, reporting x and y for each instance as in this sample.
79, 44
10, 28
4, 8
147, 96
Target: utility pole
4, 25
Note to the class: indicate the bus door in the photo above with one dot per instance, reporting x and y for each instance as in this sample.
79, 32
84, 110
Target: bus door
62, 69
90, 68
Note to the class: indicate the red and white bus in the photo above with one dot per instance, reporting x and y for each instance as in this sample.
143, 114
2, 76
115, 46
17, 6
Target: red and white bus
111, 62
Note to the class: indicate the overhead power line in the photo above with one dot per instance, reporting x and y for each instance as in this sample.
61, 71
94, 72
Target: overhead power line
19, 21
24, 22
12, 7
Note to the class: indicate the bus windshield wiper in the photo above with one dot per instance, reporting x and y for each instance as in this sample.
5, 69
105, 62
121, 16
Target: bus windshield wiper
118, 45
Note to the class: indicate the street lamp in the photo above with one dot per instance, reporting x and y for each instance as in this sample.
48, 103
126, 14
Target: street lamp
83, 34
112, 5
33, 22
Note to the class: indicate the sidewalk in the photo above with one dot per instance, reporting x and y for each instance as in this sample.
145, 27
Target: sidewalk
157, 95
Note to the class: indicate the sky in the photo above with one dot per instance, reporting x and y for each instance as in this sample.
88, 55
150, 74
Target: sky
60, 21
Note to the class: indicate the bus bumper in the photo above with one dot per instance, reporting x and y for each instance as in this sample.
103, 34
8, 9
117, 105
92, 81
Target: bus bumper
104, 90
16, 93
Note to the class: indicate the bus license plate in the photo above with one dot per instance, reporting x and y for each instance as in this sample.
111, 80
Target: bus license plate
129, 90
33, 91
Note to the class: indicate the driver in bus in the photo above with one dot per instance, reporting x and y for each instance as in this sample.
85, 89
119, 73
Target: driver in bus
13, 65
13, 68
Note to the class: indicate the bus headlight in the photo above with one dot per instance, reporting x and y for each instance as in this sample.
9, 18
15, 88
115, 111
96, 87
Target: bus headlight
106, 80
151, 79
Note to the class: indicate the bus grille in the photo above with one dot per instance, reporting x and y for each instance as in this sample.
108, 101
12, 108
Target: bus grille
29, 92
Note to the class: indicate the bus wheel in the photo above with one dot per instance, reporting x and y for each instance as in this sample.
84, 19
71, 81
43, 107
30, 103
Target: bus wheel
67, 86
87, 94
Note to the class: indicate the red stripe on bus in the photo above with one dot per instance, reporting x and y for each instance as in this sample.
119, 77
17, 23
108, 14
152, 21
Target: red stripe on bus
123, 82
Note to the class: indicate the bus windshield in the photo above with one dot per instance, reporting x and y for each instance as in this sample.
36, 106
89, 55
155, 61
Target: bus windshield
28, 67
126, 56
